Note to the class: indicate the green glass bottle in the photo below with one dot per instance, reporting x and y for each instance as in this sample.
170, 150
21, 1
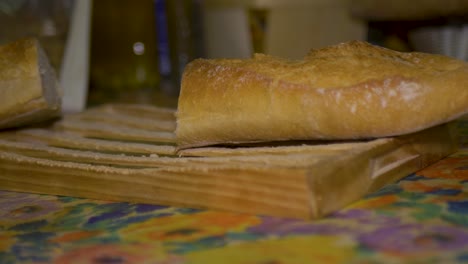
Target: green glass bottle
124, 58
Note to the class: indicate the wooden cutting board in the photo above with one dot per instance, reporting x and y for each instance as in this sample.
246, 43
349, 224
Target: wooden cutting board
127, 153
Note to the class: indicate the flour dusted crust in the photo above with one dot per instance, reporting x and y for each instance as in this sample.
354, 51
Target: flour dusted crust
29, 91
348, 91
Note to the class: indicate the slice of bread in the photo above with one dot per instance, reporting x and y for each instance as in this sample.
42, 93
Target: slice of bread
29, 90
348, 91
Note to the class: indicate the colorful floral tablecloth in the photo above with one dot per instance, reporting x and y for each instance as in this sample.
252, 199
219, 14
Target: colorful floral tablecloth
423, 218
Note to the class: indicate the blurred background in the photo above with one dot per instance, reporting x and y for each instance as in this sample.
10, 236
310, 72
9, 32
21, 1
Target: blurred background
135, 51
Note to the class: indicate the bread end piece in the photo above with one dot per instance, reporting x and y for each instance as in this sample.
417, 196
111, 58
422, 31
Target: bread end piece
29, 90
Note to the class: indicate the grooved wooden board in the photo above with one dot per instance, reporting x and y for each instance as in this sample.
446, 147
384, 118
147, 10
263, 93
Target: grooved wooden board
127, 153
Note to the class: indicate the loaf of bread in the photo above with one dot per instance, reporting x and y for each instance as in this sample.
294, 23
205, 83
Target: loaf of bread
29, 91
349, 91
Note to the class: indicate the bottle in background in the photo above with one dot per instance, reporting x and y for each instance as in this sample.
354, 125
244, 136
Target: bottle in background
124, 57
180, 38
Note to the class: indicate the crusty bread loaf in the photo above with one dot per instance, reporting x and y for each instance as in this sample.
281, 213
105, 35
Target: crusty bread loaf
348, 91
29, 91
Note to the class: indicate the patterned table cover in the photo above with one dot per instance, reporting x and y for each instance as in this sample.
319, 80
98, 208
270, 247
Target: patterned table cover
423, 218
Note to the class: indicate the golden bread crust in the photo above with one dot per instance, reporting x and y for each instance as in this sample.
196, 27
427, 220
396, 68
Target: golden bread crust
29, 91
348, 91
